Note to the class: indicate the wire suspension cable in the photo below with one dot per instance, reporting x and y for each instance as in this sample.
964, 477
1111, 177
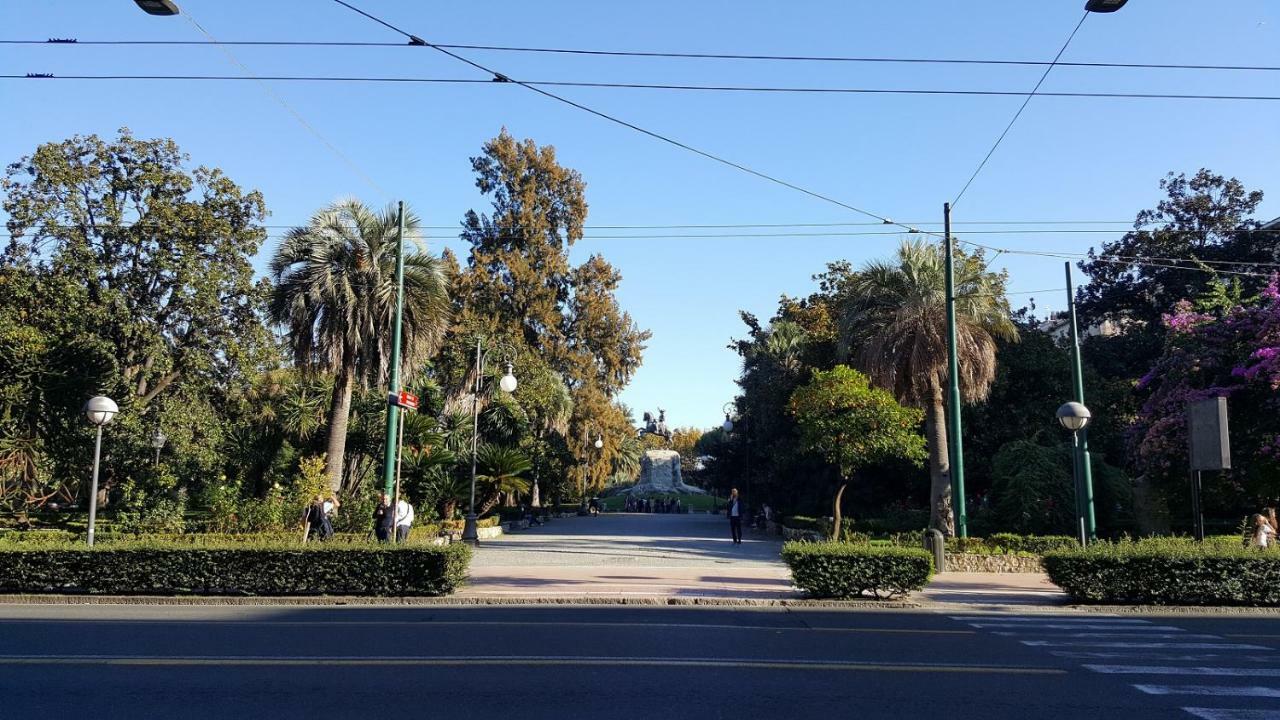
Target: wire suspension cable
653, 86
659, 54
1022, 107
497, 76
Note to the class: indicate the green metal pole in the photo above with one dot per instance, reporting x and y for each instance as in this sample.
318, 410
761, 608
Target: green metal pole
956, 445
393, 411
1077, 377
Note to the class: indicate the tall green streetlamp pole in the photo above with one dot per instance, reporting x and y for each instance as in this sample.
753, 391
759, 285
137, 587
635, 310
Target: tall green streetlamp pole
1084, 493
956, 445
393, 411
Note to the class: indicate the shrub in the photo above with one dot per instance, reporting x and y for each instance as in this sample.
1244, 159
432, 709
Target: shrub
848, 570
1167, 571
150, 513
1009, 543
236, 569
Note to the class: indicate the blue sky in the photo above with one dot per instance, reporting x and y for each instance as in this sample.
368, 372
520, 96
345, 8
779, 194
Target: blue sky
901, 156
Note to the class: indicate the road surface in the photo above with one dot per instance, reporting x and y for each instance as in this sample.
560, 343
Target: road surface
622, 662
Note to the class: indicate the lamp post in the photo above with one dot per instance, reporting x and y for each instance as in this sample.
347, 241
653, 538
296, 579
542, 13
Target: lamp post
1074, 416
744, 427
100, 410
157, 441
470, 529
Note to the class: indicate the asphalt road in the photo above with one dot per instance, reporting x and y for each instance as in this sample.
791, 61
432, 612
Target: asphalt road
620, 662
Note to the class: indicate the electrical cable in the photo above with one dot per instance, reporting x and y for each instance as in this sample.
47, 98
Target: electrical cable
1018, 114
537, 84
351, 164
660, 54
414, 39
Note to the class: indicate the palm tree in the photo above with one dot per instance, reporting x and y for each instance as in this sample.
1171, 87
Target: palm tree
335, 293
893, 325
501, 468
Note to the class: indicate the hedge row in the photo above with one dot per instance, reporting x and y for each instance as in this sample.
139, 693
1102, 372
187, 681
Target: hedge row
317, 569
849, 570
1167, 572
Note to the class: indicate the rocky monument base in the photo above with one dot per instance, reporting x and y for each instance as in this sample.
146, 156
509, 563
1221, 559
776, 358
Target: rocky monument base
660, 474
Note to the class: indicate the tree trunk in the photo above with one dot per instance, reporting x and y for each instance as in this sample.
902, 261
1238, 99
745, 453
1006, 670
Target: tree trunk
836, 519
339, 414
935, 434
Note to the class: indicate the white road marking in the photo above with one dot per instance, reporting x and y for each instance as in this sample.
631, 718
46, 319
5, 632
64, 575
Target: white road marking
1229, 714
1211, 690
1181, 670
1166, 657
1048, 618
1145, 645
1081, 626
1121, 635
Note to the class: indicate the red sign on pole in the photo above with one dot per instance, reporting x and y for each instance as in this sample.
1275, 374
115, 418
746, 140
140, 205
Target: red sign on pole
408, 400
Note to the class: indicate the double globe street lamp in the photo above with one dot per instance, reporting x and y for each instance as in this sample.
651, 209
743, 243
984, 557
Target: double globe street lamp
100, 410
508, 384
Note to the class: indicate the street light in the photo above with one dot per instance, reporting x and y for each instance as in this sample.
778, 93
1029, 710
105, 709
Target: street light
728, 427
99, 410
1075, 416
728, 422
1104, 6
508, 383
157, 441
599, 442
158, 7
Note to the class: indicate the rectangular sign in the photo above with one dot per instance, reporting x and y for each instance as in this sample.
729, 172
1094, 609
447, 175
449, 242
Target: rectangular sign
1207, 433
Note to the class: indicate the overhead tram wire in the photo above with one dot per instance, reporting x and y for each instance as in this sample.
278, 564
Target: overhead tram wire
536, 86
1021, 108
661, 54
500, 77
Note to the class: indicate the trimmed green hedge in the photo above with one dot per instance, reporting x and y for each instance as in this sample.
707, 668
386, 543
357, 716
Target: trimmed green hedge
1167, 572
235, 569
848, 570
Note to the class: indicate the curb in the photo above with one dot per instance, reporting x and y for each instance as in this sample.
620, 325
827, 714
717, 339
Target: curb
331, 601
1076, 609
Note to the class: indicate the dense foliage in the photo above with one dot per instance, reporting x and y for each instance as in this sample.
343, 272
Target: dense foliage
851, 570
1168, 572
236, 569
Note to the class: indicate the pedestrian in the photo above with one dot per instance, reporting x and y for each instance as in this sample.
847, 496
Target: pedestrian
318, 520
734, 511
382, 518
1263, 534
404, 519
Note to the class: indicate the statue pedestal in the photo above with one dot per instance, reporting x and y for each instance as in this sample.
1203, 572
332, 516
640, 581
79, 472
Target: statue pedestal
660, 474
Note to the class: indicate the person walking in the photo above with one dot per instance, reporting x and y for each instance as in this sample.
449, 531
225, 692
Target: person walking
404, 520
382, 518
734, 511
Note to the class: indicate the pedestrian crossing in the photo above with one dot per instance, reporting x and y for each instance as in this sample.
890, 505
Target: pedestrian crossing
1156, 659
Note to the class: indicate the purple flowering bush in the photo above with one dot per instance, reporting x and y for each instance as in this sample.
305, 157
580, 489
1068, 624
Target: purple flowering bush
1225, 349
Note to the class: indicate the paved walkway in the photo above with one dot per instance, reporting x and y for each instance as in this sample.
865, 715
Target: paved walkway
630, 555
621, 555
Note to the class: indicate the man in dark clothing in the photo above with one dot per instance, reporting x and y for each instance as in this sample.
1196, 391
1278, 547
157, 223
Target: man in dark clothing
383, 518
735, 512
317, 521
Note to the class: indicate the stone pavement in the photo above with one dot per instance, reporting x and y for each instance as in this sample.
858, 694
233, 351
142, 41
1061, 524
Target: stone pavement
630, 555
627, 555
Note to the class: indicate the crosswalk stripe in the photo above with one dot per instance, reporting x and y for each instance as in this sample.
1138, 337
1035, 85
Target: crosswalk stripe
1071, 626
1182, 670
1048, 618
1232, 714
1211, 690
1122, 635
1167, 657
1144, 645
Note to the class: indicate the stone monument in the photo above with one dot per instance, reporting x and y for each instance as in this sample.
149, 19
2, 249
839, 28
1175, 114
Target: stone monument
660, 473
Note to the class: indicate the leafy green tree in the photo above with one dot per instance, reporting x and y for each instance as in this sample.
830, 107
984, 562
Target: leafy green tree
335, 293
894, 327
501, 472
852, 425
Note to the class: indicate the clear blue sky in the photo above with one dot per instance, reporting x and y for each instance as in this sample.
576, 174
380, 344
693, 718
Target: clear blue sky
1067, 159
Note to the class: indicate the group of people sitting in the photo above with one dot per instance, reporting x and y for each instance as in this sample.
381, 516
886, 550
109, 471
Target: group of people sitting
649, 505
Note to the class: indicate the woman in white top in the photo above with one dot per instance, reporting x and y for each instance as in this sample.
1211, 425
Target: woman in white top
404, 520
1263, 534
